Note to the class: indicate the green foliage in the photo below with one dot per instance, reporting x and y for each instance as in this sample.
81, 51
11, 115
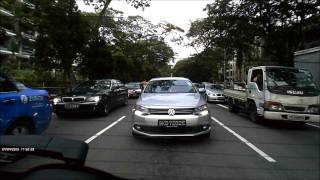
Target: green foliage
62, 35
278, 27
202, 67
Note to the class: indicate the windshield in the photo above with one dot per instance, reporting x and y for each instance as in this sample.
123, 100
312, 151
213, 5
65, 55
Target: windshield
169, 86
215, 87
133, 86
286, 81
19, 85
94, 85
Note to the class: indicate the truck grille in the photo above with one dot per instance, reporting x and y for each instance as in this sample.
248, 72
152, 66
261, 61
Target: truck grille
73, 99
294, 108
177, 111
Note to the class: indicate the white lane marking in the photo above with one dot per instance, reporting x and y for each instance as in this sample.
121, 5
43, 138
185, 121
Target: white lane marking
222, 106
313, 125
104, 130
260, 152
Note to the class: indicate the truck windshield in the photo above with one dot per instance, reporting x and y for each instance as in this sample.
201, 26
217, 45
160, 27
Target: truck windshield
291, 81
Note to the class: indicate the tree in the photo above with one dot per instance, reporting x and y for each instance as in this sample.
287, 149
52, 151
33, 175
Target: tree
277, 27
62, 35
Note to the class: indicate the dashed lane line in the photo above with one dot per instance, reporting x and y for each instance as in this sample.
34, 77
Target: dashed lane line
256, 149
104, 130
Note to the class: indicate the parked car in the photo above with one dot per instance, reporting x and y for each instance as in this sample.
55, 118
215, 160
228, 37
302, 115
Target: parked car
96, 96
134, 89
22, 110
171, 106
214, 93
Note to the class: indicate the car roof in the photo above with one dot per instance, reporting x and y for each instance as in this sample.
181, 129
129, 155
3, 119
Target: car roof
169, 78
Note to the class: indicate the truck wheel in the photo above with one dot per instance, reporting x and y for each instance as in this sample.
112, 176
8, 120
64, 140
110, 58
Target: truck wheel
20, 128
232, 107
253, 114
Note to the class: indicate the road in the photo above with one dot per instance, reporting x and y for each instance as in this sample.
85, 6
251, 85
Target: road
237, 148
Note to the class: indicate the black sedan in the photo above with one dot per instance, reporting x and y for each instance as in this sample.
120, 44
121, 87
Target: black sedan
96, 96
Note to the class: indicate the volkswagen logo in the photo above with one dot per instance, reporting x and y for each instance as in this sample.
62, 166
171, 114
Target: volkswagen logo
171, 112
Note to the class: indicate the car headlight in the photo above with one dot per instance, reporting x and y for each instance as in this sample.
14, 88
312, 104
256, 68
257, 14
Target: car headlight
314, 109
56, 100
273, 106
201, 110
93, 99
142, 109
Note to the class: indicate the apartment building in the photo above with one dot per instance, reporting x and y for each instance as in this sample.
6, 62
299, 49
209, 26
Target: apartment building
17, 33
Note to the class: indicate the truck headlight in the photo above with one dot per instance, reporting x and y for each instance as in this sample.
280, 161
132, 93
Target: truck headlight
142, 109
314, 109
273, 106
201, 110
93, 99
56, 100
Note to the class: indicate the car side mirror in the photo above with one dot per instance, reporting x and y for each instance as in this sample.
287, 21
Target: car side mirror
201, 90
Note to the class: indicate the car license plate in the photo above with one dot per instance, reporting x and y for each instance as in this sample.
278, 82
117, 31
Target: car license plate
296, 117
71, 106
171, 123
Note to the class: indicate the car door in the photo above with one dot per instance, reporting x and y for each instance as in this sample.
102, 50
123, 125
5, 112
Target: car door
8, 102
113, 94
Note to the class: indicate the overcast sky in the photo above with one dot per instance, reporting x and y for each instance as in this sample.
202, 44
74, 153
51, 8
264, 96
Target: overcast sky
177, 12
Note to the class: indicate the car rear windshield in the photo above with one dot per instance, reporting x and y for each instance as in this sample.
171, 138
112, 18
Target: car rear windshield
133, 85
94, 85
170, 86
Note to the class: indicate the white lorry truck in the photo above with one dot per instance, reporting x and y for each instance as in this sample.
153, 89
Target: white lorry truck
277, 93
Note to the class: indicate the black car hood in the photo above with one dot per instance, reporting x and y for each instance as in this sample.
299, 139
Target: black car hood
87, 92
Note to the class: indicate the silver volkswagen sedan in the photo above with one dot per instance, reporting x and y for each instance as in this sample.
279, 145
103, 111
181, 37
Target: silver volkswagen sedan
171, 106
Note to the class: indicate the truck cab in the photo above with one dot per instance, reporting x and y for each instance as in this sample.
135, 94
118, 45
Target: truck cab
282, 93
22, 110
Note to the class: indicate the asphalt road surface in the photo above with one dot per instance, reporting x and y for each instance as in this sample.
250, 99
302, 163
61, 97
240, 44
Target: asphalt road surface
237, 148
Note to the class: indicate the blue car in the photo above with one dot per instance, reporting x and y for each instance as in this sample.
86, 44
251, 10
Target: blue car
22, 110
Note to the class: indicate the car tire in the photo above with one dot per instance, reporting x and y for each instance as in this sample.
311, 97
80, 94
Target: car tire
21, 128
253, 114
207, 99
105, 108
125, 102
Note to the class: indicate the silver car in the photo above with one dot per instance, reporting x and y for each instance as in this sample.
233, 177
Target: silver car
214, 93
171, 106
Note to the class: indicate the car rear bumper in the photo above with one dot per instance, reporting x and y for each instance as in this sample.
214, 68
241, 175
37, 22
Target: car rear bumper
286, 116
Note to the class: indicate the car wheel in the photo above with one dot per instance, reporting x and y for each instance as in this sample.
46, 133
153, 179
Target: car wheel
105, 109
125, 102
21, 128
207, 99
253, 114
